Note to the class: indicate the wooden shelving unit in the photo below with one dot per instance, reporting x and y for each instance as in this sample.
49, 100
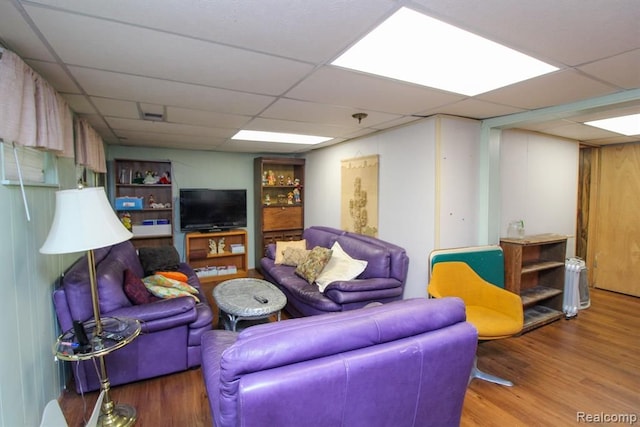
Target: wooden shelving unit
199, 257
277, 217
126, 185
534, 269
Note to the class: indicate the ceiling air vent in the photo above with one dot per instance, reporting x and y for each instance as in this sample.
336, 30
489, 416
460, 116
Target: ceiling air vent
154, 117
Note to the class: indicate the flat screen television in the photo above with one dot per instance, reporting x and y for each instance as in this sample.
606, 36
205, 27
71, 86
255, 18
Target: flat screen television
205, 209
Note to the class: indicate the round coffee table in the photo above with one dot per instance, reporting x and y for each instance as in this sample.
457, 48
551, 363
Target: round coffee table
248, 299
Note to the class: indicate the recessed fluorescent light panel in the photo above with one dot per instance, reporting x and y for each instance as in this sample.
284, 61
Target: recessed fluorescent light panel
625, 125
286, 138
416, 48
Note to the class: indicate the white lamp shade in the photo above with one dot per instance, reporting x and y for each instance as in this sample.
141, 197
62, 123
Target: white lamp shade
83, 220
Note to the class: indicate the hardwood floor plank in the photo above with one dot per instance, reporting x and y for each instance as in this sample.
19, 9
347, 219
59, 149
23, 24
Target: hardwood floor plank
589, 364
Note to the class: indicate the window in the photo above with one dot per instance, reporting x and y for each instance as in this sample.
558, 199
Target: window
36, 167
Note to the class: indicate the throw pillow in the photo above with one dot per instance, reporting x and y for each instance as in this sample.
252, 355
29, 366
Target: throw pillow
164, 292
135, 289
175, 275
163, 258
165, 282
294, 256
314, 263
340, 267
281, 246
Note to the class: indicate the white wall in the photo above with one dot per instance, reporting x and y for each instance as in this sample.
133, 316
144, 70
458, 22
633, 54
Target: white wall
539, 183
406, 191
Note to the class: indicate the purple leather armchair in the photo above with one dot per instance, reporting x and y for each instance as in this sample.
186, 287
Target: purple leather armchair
382, 281
171, 329
406, 363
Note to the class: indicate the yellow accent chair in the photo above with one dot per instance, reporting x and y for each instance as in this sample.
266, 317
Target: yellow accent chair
495, 312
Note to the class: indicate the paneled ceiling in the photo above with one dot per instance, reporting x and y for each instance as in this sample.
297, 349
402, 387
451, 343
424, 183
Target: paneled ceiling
212, 67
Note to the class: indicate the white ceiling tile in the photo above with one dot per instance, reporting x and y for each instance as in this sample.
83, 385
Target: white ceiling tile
307, 30
289, 109
336, 86
205, 118
166, 140
570, 32
561, 87
18, 36
618, 69
154, 127
304, 128
80, 104
116, 108
134, 88
124, 48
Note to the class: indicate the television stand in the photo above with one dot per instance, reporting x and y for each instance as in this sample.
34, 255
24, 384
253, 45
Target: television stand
213, 262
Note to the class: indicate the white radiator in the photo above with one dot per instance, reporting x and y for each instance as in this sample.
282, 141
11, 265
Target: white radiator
576, 289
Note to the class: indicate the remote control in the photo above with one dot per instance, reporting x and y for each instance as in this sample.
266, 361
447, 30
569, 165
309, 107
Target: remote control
112, 336
263, 300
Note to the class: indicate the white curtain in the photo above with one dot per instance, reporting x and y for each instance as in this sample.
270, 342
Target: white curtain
32, 113
89, 147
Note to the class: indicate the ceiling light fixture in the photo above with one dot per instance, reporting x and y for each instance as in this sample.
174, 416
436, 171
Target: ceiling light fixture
285, 138
416, 48
359, 116
625, 125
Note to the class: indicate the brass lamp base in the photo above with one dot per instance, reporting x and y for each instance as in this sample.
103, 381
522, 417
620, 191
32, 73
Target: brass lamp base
121, 416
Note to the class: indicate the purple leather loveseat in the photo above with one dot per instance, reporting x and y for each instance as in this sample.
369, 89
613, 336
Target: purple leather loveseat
382, 280
171, 328
401, 364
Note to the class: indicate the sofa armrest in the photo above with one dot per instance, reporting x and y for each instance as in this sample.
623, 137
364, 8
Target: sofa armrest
349, 291
271, 251
159, 315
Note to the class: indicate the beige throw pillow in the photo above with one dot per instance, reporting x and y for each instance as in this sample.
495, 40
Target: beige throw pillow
281, 246
341, 267
294, 256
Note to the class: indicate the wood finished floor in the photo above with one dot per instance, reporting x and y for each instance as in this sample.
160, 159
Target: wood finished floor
590, 364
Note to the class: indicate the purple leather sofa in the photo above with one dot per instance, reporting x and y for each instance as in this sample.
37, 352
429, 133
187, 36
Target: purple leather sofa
171, 328
406, 363
382, 281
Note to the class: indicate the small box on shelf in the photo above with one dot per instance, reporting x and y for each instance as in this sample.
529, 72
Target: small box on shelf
129, 203
237, 248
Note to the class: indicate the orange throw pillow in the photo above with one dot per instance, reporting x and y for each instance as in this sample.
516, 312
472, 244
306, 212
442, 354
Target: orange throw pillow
175, 275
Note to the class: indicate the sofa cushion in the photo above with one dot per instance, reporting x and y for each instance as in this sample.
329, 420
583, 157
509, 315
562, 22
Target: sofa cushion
340, 267
314, 263
135, 289
281, 246
164, 258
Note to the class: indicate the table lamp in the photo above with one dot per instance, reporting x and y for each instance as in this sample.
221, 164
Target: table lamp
84, 221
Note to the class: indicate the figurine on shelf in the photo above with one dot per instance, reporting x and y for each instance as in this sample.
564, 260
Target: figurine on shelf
289, 180
152, 201
271, 178
265, 179
296, 183
296, 195
126, 220
281, 179
165, 178
290, 198
213, 247
139, 179
221, 245
150, 178
267, 199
